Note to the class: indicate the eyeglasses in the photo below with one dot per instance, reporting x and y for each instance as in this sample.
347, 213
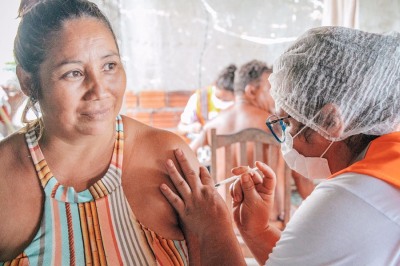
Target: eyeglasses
277, 127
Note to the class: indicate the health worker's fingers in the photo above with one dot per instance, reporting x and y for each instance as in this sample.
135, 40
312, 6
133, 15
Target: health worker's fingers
190, 175
250, 193
269, 180
236, 188
176, 178
205, 177
173, 199
239, 170
246, 211
246, 169
236, 192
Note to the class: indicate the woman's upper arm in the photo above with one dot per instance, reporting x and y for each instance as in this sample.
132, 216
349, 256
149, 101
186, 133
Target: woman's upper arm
178, 142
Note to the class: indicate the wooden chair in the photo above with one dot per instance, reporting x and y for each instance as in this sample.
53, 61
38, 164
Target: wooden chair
232, 150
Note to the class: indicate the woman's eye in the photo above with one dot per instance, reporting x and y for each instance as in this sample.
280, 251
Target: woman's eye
110, 66
73, 74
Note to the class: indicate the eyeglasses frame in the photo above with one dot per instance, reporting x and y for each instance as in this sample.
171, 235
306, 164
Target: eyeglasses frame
281, 123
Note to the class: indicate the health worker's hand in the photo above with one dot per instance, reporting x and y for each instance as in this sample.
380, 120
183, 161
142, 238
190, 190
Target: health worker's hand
200, 208
203, 214
253, 198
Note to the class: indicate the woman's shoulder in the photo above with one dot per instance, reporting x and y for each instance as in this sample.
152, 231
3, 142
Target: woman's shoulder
144, 134
15, 159
146, 150
13, 149
154, 146
19, 193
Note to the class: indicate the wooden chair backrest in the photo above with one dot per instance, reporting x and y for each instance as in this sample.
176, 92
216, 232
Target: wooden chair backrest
263, 147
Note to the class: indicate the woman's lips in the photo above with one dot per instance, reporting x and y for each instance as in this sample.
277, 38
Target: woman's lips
98, 113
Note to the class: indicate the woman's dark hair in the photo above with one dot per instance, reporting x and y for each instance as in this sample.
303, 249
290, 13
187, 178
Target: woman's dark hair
40, 21
226, 78
250, 73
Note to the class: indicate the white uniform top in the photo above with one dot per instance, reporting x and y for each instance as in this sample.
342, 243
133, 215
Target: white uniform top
352, 219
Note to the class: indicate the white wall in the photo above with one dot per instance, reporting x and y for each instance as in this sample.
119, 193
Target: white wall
8, 29
380, 15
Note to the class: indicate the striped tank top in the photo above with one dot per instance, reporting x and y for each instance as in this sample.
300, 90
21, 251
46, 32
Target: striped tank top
95, 226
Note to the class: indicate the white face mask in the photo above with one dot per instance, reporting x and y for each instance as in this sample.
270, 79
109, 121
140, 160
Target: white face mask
310, 167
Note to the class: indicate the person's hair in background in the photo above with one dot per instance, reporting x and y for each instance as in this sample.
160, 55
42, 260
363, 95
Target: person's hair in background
226, 79
250, 73
224, 86
34, 36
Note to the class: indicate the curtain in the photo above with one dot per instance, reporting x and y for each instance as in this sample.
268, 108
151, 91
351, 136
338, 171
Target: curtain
341, 13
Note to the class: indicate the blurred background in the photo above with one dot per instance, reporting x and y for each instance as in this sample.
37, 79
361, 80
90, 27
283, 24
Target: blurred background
170, 48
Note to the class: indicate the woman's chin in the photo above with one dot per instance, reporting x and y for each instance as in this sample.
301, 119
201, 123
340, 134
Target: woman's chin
98, 123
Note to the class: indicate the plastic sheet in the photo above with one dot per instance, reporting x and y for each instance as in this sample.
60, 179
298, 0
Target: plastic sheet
182, 45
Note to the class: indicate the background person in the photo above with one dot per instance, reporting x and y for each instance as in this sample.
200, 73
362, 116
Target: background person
11, 98
203, 106
5, 115
253, 103
336, 90
75, 188
207, 102
14, 101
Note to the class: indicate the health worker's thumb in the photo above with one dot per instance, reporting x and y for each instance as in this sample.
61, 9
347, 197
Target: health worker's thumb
248, 188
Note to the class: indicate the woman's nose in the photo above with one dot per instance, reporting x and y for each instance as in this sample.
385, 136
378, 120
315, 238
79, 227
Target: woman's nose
95, 87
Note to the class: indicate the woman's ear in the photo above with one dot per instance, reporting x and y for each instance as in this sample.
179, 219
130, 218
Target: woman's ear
250, 91
332, 120
25, 81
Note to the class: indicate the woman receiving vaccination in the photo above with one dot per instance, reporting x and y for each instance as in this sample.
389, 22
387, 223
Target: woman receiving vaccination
80, 185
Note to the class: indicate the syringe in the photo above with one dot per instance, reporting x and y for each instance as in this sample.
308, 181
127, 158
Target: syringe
233, 178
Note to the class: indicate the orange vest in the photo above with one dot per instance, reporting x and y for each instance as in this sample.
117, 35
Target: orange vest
382, 160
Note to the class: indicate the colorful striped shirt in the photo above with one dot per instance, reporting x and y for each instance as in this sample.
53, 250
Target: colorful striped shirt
95, 226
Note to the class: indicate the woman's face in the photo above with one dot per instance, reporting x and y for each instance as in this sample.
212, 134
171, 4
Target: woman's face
308, 142
82, 79
263, 97
224, 95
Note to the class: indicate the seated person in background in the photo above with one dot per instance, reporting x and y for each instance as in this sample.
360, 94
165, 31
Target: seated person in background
253, 104
11, 98
204, 105
5, 115
207, 102
74, 187
13, 101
